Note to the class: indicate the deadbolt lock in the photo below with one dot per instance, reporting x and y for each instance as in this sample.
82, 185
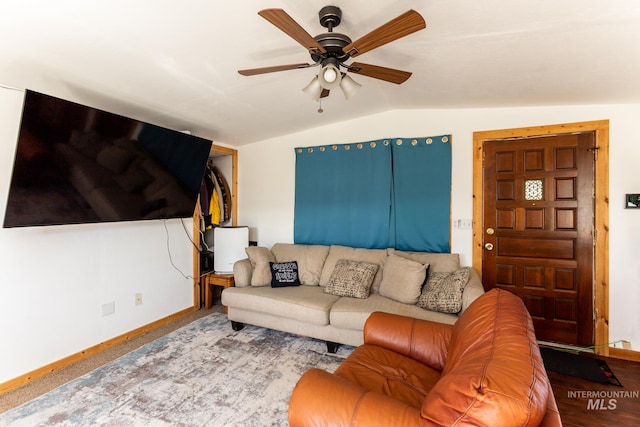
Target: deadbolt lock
488, 246
490, 231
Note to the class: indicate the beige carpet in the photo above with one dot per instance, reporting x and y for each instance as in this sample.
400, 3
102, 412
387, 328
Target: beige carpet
43, 385
202, 374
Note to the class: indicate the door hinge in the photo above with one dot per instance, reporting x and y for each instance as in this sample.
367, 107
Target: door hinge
595, 152
595, 236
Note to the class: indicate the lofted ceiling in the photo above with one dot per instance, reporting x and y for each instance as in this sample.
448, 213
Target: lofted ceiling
174, 63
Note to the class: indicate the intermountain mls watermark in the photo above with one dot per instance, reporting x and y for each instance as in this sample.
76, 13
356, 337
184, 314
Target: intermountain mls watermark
605, 400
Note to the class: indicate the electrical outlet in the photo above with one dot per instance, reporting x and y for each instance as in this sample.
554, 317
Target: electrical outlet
138, 299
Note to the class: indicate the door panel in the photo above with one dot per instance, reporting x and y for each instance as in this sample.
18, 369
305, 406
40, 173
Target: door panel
538, 221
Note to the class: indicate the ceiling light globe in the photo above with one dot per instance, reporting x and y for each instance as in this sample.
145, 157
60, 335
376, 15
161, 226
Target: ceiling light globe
330, 75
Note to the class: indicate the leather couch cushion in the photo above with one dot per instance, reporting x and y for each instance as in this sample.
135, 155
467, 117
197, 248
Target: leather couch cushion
493, 369
383, 371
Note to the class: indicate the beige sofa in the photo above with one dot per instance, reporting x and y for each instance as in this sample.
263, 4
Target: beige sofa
334, 298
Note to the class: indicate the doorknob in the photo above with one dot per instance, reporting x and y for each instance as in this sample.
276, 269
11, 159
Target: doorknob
488, 246
490, 231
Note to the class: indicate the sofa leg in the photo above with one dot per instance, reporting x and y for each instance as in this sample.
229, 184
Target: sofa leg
237, 326
332, 347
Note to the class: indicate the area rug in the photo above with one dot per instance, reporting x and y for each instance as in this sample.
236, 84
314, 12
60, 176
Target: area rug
575, 365
203, 374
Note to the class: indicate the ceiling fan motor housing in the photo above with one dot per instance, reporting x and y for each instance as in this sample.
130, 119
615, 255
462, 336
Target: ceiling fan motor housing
330, 17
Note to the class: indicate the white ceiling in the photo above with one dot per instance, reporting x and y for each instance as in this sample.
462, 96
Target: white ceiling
175, 63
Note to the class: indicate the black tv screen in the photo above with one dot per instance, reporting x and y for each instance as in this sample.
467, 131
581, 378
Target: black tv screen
77, 164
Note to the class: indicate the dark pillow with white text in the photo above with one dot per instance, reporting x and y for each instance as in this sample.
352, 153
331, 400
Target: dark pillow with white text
284, 274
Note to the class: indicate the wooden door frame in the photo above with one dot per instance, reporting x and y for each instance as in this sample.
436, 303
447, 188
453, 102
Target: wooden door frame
197, 292
601, 249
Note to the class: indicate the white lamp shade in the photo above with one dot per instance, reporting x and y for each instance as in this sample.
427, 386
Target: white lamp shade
349, 86
329, 76
313, 89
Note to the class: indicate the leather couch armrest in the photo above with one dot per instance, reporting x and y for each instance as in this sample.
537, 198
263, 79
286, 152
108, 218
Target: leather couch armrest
418, 339
321, 398
472, 291
242, 272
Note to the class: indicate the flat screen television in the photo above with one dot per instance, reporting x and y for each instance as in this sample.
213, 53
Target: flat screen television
77, 164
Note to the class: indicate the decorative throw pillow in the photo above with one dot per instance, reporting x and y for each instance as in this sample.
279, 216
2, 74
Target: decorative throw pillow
260, 258
284, 274
351, 278
372, 256
402, 279
443, 291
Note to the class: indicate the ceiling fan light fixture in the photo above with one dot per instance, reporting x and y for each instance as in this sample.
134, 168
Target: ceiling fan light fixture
313, 89
349, 86
330, 75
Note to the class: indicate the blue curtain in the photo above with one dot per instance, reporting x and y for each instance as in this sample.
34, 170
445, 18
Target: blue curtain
421, 206
343, 195
385, 193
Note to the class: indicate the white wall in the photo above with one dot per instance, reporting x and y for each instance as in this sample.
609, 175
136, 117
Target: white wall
266, 181
54, 280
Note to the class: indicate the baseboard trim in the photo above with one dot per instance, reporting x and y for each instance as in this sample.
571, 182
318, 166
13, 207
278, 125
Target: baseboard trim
91, 351
623, 353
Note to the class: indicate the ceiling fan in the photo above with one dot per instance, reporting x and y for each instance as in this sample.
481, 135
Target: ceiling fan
331, 50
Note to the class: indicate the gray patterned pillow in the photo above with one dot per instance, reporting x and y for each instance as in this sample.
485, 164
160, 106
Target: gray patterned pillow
351, 279
443, 291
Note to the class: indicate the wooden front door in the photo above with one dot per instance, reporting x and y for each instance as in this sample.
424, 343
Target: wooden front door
538, 230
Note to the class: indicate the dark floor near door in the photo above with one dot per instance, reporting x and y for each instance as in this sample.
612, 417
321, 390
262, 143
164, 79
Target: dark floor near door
587, 403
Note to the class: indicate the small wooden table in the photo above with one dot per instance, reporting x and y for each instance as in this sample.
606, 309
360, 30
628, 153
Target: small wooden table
214, 279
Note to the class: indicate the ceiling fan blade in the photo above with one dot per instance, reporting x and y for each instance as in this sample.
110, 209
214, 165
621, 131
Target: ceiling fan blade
403, 25
273, 69
382, 73
286, 23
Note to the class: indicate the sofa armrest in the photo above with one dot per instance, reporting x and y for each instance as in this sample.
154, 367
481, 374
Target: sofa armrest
242, 272
321, 398
472, 291
418, 339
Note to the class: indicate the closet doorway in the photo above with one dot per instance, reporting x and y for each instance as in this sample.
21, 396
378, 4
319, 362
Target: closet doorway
226, 161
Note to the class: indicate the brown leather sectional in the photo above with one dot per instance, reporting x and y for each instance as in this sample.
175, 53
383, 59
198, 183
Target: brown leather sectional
486, 370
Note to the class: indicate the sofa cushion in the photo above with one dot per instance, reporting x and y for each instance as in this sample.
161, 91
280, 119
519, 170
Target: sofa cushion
443, 291
310, 259
300, 303
351, 278
260, 258
439, 262
402, 279
284, 274
493, 370
337, 252
352, 313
